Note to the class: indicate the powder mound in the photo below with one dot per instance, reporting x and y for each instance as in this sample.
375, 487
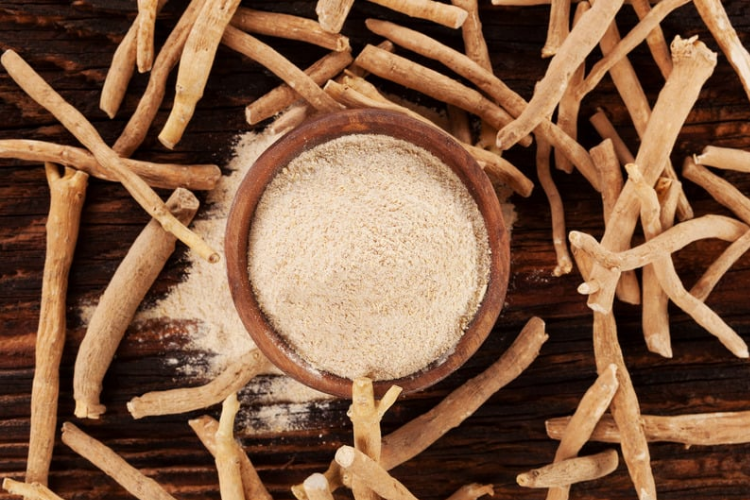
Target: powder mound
369, 256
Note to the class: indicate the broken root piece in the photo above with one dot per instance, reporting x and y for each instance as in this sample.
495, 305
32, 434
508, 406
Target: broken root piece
696, 429
67, 194
195, 65
570, 471
430, 10
371, 474
104, 458
205, 428
30, 491
227, 455
117, 306
175, 401
571, 54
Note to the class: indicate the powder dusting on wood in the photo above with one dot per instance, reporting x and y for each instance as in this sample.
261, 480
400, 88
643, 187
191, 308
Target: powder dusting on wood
203, 296
369, 256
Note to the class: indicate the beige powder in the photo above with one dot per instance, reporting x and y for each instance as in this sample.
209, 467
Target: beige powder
369, 256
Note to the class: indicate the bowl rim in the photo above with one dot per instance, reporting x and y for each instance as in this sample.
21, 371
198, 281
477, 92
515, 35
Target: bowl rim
317, 131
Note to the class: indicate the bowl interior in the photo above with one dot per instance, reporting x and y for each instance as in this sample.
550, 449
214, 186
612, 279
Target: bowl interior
318, 131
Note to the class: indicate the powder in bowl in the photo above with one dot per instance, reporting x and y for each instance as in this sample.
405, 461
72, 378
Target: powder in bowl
369, 256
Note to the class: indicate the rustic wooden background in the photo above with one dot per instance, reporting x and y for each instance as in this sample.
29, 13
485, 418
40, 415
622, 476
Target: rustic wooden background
71, 42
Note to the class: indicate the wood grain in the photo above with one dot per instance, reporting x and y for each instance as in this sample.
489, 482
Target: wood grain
70, 44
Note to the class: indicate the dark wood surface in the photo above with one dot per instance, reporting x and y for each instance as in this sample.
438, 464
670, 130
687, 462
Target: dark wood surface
71, 43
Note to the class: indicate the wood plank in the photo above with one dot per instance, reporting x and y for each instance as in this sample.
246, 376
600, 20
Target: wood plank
71, 44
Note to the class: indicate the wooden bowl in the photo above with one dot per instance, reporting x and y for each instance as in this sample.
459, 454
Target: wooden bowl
324, 129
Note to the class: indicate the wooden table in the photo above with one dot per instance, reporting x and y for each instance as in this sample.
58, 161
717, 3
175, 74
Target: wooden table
71, 44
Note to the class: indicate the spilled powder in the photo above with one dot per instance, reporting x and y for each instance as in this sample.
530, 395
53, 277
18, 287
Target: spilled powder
369, 256
203, 297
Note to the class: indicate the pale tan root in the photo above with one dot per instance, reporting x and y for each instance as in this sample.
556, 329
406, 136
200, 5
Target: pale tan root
655, 313
109, 462
440, 13
332, 14
719, 267
436, 85
531, 3
266, 56
590, 409
634, 97
412, 438
502, 170
570, 471
117, 306
634, 38
206, 427
136, 129
146, 22
718, 23
729, 196
606, 130
67, 193
365, 415
722, 190
472, 492
624, 406
238, 373
356, 92
675, 238
161, 175
724, 158
121, 69
663, 268
697, 429
605, 158
657, 251
316, 487
119, 73
606, 161
571, 54
626, 82
371, 474
283, 96
570, 104
475, 46
30, 491
655, 39
370, 93
693, 64
227, 455
77, 124
557, 210
288, 26
291, 117
488, 83
559, 26
195, 66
